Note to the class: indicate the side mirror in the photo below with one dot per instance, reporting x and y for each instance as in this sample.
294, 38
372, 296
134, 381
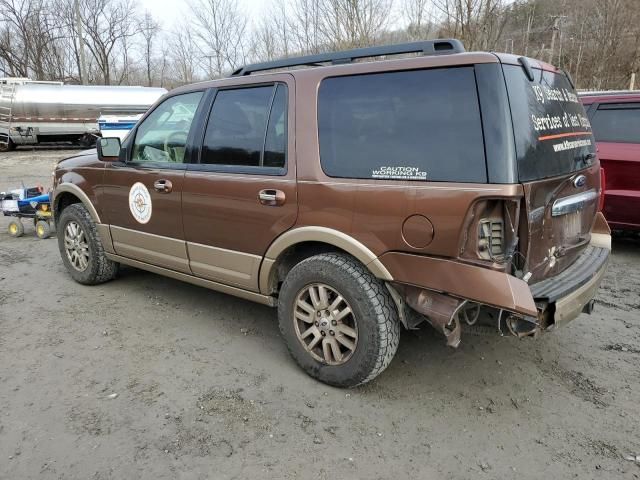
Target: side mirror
108, 149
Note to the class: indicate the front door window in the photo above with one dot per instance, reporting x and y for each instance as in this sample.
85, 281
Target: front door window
162, 136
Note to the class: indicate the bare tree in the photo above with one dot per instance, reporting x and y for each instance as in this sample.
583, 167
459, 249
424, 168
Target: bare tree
353, 23
31, 39
221, 28
303, 23
181, 49
418, 15
108, 24
149, 30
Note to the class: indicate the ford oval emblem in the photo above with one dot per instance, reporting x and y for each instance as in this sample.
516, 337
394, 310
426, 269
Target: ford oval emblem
580, 181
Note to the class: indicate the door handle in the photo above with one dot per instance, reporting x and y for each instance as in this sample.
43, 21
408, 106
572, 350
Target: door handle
163, 186
271, 198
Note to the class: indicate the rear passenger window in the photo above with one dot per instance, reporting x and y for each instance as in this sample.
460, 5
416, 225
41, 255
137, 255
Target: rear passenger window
276, 141
617, 122
414, 125
247, 127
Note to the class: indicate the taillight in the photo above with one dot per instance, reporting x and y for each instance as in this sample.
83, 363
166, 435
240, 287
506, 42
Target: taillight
491, 230
491, 239
602, 188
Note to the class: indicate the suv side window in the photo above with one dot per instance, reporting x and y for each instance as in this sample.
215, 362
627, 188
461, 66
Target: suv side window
247, 128
162, 136
617, 122
411, 125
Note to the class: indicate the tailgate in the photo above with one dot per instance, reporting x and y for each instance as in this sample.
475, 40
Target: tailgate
557, 167
558, 220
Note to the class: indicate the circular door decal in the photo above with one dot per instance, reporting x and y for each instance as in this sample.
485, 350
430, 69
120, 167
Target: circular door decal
140, 203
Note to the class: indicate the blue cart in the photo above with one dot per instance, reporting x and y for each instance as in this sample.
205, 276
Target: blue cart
32, 203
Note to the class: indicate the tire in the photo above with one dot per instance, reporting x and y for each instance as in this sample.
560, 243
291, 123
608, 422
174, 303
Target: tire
43, 229
373, 318
7, 147
97, 267
15, 228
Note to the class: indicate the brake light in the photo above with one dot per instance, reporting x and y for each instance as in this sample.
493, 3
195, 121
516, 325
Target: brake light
603, 178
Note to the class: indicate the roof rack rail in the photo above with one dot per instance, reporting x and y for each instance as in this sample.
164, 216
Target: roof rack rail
428, 47
604, 93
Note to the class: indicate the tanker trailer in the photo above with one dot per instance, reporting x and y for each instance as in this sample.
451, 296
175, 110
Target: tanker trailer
38, 112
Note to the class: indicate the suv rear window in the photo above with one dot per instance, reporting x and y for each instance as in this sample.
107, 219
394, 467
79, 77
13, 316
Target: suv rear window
552, 132
617, 122
410, 125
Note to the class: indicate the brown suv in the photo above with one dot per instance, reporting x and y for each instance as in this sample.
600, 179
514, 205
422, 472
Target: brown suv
460, 189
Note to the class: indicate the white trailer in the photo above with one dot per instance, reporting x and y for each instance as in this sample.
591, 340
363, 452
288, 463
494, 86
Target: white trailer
34, 112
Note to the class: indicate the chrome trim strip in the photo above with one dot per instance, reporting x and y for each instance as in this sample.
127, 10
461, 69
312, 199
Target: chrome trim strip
572, 203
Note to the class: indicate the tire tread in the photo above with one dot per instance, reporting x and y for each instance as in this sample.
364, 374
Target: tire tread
105, 269
376, 293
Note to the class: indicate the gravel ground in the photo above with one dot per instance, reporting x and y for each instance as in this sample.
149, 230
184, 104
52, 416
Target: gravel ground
146, 377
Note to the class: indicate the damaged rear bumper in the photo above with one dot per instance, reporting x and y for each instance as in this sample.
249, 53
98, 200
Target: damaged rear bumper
442, 291
565, 296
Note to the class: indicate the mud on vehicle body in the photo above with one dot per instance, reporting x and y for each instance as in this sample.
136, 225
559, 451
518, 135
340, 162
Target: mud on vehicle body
459, 189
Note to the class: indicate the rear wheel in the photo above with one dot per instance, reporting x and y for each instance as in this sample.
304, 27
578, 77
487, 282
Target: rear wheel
81, 248
43, 229
338, 320
15, 228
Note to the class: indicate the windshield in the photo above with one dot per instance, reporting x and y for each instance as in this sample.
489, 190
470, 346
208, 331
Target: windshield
552, 132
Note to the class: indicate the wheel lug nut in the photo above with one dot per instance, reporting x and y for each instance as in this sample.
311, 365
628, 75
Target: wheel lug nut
334, 323
319, 313
317, 324
331, 332
323, 333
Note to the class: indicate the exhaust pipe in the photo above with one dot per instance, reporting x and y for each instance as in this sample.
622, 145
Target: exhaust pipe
521, 326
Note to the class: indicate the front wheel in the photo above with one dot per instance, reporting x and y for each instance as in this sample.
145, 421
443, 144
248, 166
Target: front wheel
338, 320
81, 248
15, 228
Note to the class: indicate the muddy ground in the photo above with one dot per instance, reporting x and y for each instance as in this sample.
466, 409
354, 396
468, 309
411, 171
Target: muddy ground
205, 388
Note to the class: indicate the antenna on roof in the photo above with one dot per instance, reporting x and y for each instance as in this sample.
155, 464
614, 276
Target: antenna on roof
428, 47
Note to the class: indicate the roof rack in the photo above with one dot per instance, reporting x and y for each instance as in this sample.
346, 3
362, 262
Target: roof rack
428, 47
604, 93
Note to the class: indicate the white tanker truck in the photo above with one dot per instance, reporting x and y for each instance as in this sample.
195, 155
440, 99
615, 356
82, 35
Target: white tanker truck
36, 112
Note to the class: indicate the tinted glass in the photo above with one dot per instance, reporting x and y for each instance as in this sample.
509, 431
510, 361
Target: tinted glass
617, 123
417, 125
236, 129
276, 141
162, 136
552, 131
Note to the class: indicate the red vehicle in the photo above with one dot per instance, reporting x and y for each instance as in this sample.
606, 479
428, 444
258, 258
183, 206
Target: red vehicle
615, 119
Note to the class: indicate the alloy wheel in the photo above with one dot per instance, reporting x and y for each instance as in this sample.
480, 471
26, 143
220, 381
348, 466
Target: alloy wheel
325, 324
76, 246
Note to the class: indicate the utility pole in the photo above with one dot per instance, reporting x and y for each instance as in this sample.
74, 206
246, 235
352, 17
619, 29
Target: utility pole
556, 28
83, 62
506, 45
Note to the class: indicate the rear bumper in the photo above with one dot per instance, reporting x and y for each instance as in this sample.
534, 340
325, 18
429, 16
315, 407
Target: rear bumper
437, 287
566, 295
